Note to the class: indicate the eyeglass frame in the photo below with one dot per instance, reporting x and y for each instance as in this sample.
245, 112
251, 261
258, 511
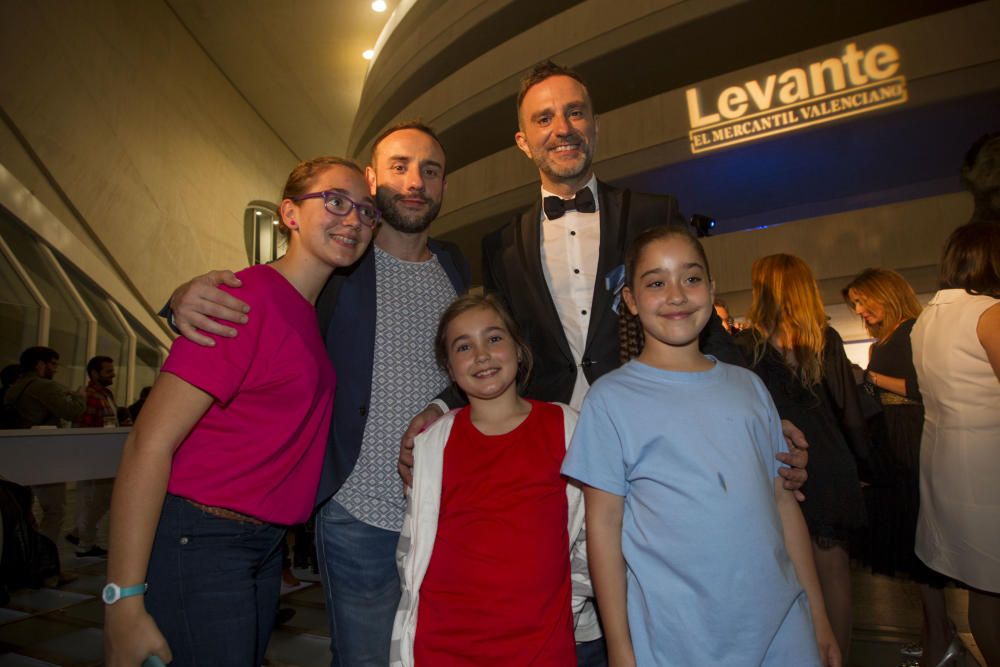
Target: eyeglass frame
326, 195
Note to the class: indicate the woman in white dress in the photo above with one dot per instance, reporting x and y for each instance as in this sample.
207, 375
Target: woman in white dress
956, 352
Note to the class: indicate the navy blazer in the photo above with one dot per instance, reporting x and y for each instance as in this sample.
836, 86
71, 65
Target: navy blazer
346, 312
512, 269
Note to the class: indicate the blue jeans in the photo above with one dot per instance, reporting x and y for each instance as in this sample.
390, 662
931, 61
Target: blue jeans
358, 565
592, 654
214, 585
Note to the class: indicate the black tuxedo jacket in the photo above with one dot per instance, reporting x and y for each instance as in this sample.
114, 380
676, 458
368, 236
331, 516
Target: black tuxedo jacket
512, 270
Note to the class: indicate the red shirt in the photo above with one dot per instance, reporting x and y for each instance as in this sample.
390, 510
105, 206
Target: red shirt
497, 589
100, 405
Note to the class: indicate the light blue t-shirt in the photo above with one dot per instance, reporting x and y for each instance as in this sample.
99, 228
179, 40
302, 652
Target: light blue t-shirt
709, 580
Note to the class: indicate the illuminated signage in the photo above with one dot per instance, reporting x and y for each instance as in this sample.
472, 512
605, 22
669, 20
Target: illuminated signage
856, 82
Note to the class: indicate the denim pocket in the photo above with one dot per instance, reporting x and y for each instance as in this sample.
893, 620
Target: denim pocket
214, 584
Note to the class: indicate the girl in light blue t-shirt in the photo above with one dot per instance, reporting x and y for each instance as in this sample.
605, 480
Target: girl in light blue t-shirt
697, 553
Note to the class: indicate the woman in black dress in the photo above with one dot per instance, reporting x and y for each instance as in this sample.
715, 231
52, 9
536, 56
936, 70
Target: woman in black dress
802, 362
888, 307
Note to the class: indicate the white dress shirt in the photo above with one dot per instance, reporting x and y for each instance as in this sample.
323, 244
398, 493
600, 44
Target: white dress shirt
570, 249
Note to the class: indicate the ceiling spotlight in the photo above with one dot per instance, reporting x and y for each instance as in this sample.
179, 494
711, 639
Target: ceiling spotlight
703, 225
368, 55
379, 6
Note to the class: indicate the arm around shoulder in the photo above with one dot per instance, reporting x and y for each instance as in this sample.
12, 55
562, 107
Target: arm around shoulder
418, 424
194, 304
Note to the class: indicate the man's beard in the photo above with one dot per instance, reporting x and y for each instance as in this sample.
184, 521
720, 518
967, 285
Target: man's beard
414, 223
567, 172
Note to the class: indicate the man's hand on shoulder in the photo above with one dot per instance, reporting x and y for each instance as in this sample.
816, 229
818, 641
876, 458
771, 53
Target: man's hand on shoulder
196, 302
424, 418
797, 457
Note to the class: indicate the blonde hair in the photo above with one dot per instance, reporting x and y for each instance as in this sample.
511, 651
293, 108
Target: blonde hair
786, 304
891, 292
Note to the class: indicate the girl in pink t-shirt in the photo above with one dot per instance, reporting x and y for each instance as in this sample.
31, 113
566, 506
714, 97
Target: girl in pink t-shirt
228, 449
485, 545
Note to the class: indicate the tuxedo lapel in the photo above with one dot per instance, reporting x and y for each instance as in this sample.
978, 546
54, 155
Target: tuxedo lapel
529, 248
611, 254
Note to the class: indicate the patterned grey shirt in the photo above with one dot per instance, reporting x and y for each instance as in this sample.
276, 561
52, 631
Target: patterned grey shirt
409, 297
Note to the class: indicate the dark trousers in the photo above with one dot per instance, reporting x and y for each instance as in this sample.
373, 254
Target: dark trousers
213, 585
592, 654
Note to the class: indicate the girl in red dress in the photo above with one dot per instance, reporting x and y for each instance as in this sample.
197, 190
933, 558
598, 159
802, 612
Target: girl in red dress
485, 551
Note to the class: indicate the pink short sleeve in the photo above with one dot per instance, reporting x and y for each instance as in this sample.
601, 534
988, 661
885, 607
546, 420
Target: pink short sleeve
219, 370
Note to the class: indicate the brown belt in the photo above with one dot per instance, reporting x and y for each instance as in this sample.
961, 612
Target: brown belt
889, 398
223, 513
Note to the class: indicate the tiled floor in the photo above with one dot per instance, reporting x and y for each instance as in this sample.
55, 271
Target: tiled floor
63, 626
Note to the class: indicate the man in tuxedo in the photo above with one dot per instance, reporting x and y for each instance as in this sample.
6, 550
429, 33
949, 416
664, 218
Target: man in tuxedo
550, 264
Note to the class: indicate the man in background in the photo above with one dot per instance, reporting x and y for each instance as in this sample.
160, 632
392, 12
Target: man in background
41, 401
93, 496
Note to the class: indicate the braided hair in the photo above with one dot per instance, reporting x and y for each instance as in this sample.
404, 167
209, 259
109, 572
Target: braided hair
630, 335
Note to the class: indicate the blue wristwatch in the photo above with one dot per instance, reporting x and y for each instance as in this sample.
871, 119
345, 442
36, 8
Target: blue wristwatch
112, 593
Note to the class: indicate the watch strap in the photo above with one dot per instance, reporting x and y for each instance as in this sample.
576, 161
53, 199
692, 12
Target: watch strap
129, 591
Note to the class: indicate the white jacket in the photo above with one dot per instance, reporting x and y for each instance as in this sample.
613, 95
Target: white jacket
416, 539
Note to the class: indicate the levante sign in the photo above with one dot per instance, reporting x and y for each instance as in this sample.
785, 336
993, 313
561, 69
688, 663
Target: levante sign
856, 82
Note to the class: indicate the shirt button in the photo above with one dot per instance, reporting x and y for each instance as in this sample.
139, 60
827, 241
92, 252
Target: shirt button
572, 233
576, 270
184, 540
583, 312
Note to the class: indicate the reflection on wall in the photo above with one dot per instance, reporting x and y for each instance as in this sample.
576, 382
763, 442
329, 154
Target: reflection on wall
45, 300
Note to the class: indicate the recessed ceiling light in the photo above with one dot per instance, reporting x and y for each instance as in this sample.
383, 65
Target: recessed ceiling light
368, 55
379, 6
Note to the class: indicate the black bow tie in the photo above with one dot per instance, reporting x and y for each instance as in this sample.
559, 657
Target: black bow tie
556, 207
